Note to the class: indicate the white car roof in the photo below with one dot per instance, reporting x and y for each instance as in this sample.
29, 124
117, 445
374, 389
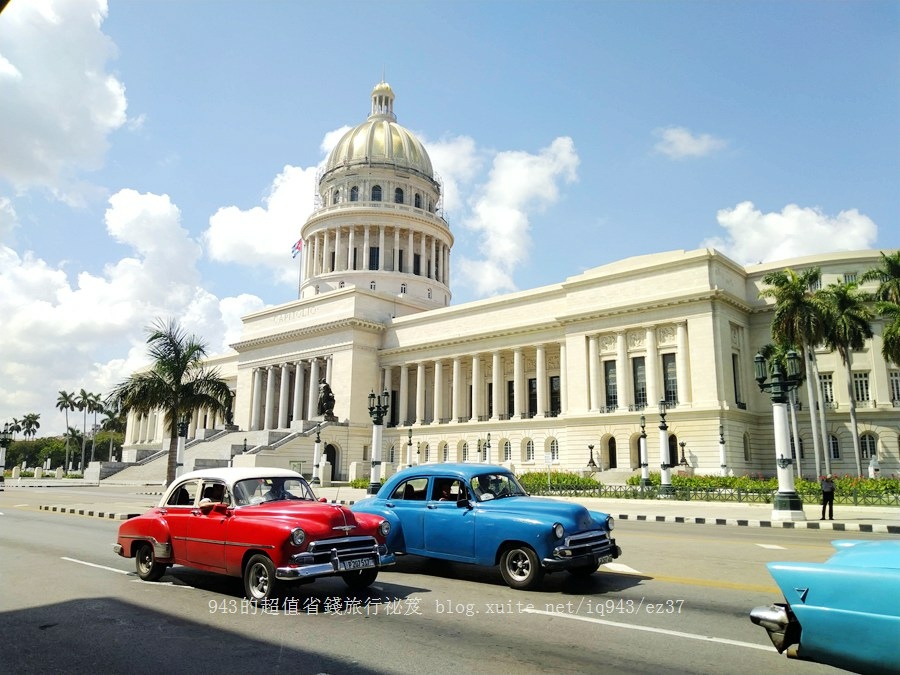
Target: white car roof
232, 474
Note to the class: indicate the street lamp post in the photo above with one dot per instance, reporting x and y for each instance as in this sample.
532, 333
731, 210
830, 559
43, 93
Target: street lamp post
409, 460
487, 449
787, 504
723, 464
591, 463
645, 465
665, 473
683, 462
317, 457
378, 407
5, 439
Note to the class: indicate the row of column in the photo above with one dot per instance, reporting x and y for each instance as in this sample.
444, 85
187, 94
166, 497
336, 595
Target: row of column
277, 395
469, 371
321, 246
654, 377
147, 428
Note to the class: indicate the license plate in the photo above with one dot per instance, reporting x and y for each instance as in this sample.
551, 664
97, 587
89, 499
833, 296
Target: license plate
357, 563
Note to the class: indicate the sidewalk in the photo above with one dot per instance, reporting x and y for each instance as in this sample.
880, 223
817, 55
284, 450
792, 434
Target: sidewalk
875, 519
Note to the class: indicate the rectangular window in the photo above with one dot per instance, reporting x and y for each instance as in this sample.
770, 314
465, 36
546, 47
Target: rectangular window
511, 398
417, 264
894, 379
490, 399
373, 257
671, 378
835, 447
639, 377
400, 266
849, 277
532, 398
738, 385
827, 381
609, 374
555, 395
861, 386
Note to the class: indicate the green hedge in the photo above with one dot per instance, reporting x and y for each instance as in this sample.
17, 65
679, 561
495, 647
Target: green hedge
536, 481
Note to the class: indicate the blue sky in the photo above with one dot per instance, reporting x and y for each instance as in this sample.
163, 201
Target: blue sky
158, 158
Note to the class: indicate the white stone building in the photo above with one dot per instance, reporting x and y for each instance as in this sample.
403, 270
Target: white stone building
545, 373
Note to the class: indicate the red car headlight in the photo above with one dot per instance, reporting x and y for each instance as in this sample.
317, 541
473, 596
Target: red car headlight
384, 528
298, 536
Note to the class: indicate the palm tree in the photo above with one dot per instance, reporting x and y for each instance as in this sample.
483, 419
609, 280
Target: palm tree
95, 405
30, 425
115, 423
887, 296
73, 434
890, 338
798, 321
15, 427
83, 404
848, 327
178, 382
66, 402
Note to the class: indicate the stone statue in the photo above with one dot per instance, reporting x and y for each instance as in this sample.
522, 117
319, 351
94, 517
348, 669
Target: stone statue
326, 401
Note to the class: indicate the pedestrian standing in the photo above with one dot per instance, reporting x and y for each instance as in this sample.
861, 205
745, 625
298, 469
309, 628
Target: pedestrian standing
827, 485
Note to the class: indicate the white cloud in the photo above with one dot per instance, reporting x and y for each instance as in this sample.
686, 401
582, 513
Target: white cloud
456, 161
754, 236
263, 235
519, 183
678, 143
59, 103
65, 334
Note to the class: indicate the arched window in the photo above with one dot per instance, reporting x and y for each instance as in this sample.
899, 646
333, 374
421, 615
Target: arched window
402, 288
507, 451
868, 447
611, 453
336, 197
554, 450
418, 201
376, 193
465, 452
354, 194
398, 196
391, 455
834, 446
371, 285
529, 450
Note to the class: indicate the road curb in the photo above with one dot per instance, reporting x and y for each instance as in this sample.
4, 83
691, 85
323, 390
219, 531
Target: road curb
786, 524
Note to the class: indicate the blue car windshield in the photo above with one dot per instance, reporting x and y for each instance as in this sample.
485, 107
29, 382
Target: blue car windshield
490, 486
259, 490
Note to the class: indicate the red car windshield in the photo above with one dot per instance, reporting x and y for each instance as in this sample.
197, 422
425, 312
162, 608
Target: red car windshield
259, 490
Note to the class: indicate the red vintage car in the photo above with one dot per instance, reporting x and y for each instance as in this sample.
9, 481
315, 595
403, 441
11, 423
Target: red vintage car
262, 524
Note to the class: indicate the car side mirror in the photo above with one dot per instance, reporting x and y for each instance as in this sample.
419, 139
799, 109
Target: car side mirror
221, 507
324, 500
463, 503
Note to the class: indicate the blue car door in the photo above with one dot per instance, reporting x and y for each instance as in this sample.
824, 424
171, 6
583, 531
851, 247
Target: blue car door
408, 503
449, 527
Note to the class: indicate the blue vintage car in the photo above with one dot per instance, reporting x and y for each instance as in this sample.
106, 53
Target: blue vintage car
844, 612
479, 513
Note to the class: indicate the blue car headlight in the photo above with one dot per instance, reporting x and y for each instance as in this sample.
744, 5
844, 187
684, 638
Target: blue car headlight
610, 523
558, 530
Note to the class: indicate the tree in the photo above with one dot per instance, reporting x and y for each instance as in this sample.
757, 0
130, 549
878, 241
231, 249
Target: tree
798, 321
66, 402
887, 296
114, 426
30, 425
82, 402
73, 434
177, 382
95, 405
847, 318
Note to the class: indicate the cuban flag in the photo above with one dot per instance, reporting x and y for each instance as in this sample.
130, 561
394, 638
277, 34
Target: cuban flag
295, 251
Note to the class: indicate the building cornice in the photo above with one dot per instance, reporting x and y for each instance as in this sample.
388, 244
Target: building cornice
307, 331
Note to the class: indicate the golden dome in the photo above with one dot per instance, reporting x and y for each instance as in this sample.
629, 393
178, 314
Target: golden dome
381, 141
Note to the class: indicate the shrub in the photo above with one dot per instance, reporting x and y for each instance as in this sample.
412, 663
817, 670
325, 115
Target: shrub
536, 481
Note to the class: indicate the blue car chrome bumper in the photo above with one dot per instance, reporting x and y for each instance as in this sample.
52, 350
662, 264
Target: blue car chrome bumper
580, 551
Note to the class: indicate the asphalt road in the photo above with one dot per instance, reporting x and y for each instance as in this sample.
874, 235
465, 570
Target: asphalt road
676, 602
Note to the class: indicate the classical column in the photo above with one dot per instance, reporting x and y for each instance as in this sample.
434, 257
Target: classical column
681, 364
299, 373
410, 248
329, 368
652, 367
284, 396
257, 399
518, 379
622, 371
396, 262
404, 394
593, 372
423, 270
269, 414
455, 397
496, 384
337, 250
381, 247
477, 388
351, 249
438, 391
366, 247
326, 254
433, 273
313, 402
563, 380
541, 368
420, 393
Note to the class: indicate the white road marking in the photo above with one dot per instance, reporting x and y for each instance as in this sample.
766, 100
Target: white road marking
101, 567
772, 546
648, 629
619, 567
